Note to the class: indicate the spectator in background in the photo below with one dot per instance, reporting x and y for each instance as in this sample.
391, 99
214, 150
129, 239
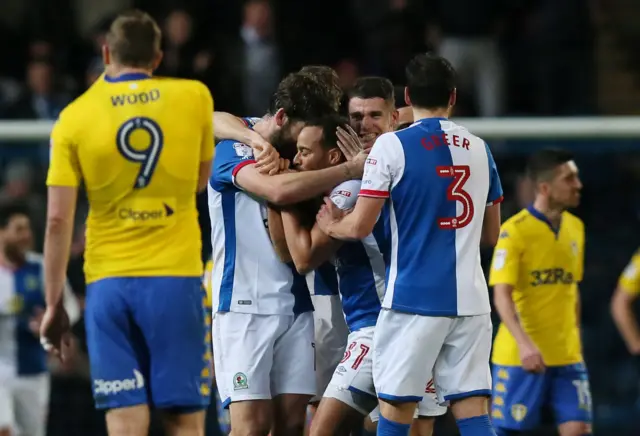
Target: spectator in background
348, 72
18, 183
466, 33
249, 67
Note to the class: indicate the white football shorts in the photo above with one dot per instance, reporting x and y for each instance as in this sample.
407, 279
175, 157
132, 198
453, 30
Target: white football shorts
331, 333
409, 349
352, 381
258, 357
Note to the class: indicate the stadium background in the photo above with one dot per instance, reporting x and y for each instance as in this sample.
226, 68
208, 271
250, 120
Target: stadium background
526, 58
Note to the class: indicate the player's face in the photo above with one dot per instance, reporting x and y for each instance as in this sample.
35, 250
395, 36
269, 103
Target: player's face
370, 118
565, 187
17, 237
311, 154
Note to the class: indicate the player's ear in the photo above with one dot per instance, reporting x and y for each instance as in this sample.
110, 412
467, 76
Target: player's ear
395, 116
280, 117
407, 99
335, 156
106, 55
453, 97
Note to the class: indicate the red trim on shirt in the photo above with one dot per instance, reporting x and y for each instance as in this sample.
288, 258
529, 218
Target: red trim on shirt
496, 201
241, 165
373, 193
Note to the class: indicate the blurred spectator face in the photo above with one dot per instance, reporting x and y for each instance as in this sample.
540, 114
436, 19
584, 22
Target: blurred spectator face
40, 49
17, 180
17, 237
178, 28
370, 118
257, 15
39, 77
348, 73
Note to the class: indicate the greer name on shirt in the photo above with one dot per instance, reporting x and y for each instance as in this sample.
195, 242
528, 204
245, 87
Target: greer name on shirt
441, 139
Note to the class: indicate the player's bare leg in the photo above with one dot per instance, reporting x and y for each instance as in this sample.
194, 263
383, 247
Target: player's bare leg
335, 418
472, 414
5, 431
250, 418
574, 428
128, 421
311, 410
369, 425
289, 414
422, 426
184, 424
401, 413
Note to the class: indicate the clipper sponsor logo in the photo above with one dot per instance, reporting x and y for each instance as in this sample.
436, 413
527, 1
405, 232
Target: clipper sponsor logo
112, 387
371, 161
145, 215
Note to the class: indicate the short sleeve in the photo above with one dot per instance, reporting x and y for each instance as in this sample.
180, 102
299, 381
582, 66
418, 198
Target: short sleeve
505, 266
495, 186
629, 280
345, 195
230, 158
384, 167
64, 167
207, 148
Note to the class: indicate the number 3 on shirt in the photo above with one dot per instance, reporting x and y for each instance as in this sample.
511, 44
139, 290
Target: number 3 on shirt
147, 158
456, 192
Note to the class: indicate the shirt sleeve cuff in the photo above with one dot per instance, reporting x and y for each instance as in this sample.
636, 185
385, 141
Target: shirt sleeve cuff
241, 165
496, 201
373, 193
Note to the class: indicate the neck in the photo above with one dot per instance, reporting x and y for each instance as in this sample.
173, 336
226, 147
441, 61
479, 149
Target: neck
265, 127
543, 206
115, 70
9, 261
420, 114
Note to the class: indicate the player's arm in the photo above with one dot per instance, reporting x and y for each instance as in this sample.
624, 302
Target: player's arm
207, 147
277, 234
309, 248
503, 276
228, 126
289, 188
491, 223
63, 180
622, 305
383, 169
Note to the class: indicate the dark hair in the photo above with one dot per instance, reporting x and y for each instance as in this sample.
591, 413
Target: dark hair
373, 87
10, 209
329, 125
542, 164
328, 77
430, 81
134, 39
403, 125
303, 98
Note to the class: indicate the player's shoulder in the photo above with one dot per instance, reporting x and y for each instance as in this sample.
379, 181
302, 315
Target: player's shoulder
516, 224
573, 220
345, 194
231, 148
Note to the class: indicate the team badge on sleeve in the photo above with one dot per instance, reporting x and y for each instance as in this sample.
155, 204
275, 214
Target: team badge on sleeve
340, 198
243, 150
499, 259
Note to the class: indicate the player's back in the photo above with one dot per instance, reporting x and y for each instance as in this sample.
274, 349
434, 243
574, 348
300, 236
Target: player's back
445, 179
138, 142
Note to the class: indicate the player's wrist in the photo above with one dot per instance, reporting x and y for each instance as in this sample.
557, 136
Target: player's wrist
352, 170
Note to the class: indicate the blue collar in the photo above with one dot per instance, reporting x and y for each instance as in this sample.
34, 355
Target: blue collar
127, 77
542, 217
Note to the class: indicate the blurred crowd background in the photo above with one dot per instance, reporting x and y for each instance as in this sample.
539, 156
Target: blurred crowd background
514, 58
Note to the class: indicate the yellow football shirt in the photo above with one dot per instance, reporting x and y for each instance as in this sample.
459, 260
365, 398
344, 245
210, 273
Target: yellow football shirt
544, 267
136, 143
629, 280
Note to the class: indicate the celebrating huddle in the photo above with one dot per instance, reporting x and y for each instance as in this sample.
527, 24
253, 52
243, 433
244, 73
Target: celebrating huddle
402, 227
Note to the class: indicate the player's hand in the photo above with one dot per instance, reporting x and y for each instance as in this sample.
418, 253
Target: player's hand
267, 158
36, 321
349, 142
328, 214
55, 331
531, 358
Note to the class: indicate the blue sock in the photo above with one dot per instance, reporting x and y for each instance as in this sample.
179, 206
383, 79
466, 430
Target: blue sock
476, 426
390, 428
